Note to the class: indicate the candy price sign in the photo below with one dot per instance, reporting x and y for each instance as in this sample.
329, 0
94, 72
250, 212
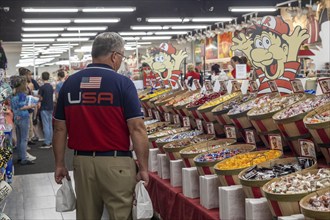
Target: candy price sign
275, 141
297, 86
249, 136
273, 86
199, 124
253, 86
149, 112
186, 122
236, 86
176, 119
157, 115
210, 128
167, 116
197, 84
325, 85
208, 85
307, 148
230, 131
223, 86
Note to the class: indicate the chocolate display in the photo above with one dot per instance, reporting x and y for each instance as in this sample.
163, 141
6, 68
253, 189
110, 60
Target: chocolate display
219, 155
320, 203
179, 136
304, 106
263, 173
301, 183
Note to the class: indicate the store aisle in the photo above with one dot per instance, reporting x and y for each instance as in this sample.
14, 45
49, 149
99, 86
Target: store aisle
33, 197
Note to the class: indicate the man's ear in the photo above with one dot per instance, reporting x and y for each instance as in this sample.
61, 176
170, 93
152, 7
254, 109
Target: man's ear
285, 48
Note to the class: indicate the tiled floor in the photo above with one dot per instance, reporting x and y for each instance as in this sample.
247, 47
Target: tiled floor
33, 197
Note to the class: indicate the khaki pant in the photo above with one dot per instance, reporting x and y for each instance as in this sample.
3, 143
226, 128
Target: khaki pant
100, 181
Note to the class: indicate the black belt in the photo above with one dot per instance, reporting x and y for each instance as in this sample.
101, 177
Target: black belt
113, 153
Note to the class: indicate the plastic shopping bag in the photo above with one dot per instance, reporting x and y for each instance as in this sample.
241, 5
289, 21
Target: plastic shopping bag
65, 197
143, 207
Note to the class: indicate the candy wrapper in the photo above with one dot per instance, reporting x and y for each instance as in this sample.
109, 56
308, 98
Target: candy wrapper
176, 172
231, 202
190, 182
163, 166
257, 209
208, 186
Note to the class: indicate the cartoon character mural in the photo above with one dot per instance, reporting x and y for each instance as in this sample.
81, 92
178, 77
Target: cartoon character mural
273, 51
165, 61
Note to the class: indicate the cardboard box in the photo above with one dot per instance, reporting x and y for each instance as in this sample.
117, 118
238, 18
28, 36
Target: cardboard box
257, 209
176, 172
152, 160
208, 186
163, 166
231, 202
190, 183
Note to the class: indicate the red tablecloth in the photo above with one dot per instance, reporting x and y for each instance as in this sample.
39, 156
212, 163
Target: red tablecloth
171, 204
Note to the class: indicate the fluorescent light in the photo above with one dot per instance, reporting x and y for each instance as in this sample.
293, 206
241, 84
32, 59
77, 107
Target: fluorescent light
46, 21
94, 28
167, 20
84, 49
131, 38
38, 39
211, 19
50, 10
132, 33
49, 64
112, 9
43, 28
252, 9
146, 27
134, 43
176, 27
170, 32
157, 38
35, 45
50, 56
72, 39
40, 35
78, 34
53, 52
97, 20
65, 44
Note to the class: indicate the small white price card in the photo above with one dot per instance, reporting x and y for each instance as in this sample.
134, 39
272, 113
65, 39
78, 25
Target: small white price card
230, 131
253, 86
156, 113
297, 86
273, 86
199, 124
250, 137
307, 148
176, 119
275, 142
210, 128
325, 85
241, 71
186, 122
149, 112
167, 116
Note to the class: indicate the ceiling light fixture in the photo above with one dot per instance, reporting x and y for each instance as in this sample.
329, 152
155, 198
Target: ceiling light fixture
43, 28
97, 20
170, 32
146, 27
50, 56
40, 35
35, 45
134, 43
94, 28
72, 39
112, 9
32, 10
252, 9
131, 38
46, 21
78, 34
65, 44
132, 33
176, 27
38, 39
157, 38
155, 20
219, 19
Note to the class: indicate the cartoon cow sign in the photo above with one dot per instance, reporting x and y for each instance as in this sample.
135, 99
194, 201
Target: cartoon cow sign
272, 51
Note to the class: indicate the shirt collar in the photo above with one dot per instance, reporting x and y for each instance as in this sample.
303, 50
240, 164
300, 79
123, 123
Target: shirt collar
100, 65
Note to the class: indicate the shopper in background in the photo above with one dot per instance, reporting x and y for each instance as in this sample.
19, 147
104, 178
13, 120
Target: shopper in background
46, 92
60, 81
192, 74
99, 126
21, 118
235, 60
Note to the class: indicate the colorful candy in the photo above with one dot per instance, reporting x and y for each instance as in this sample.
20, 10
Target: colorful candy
218, 155
235, 102
189, 99
319, 118
219, 100
149, 122
179, 136
190, 141
320, 203
155, 93
205, 98
167, 132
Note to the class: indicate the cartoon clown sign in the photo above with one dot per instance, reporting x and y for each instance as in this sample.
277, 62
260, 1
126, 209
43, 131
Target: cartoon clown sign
273, 51
165, 61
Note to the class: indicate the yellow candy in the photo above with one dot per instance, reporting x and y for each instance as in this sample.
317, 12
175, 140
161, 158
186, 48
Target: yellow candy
157, 93
219, 100
249, 159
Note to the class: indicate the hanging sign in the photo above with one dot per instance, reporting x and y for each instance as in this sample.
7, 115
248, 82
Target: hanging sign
230, 131
307, 148
273, 86
297, 86
235, 86
250, 136
176, 119
253, 86
210, 128
167, 117
325, 85
275, 142
186, 121
199, 124
156, 113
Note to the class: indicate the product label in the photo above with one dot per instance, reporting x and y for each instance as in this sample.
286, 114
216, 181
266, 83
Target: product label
199, 124
149, 112
253, 86
275, 141
157, 115
197, 84
210, 128
250, 136
230, 131
186, 122
176, 119
223, 86
273, 86
307, 148
167, 116
297, 86
235, 86
208, 85
325, 85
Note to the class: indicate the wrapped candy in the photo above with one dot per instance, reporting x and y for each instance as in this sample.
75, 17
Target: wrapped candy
205, 149
205, 98
218, 100
191, 140
320, 203
305, 106
249, 105
219, 155
155, 93
318, 118
189, 99
149, 122
301, 183
167, 132
151, 130
179, 136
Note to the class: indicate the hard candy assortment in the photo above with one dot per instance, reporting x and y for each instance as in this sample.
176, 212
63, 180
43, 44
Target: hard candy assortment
182, 97
193, 150
275, 104
205, 98
167, 132
320, 203
249, 159
301, 183
304, 106
319, 118
149, 122
219, 100
218, 155
189, 99
235, 102
179, 136
251, 104
189, 141
158, 128
277, 170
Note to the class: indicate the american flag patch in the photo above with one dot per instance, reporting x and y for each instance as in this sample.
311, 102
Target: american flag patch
90, 82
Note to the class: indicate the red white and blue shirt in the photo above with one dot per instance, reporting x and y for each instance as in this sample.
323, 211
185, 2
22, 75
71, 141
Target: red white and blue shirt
96, 103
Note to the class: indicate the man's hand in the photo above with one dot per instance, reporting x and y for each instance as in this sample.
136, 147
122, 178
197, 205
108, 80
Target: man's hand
60, 173
144, 176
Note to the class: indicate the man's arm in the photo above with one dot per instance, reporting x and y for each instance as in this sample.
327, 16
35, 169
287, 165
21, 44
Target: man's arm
59, 145
140, 145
